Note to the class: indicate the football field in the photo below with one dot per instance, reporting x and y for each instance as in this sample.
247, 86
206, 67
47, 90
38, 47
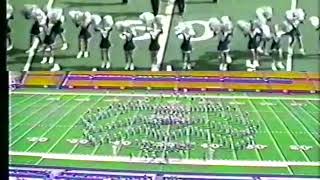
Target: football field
46, 130
198, 12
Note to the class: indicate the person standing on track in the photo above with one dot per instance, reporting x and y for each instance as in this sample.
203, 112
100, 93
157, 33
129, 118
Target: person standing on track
154, 41
186, 34
57, 18
276, 50
39, 17
128, 47
84, 35
105, 43
254, 36
293, 20
154, 46
48, 43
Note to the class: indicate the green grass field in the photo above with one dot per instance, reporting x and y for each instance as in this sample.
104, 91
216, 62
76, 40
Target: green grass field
55, 114
198, 11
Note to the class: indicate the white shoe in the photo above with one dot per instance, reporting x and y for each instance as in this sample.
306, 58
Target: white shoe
256, 63
251, 69
229, 60
108, 65
274, 67
44, 60
225, 67
280, 65
248, 63
64, 46
79, 55
51, 60
131, 67
94, 69
185, 65
127, 66
103, 64
259, 49
56, 67
189, 66
168, 68
154, 67
221, 67
302, 51
266, 53
10, 47
86, 54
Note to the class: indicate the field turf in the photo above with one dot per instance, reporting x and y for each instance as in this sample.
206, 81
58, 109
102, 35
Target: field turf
54, 114
204, 56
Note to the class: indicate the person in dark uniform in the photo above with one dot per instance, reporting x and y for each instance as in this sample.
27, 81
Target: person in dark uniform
128, 47
48, 43
186, 47
155, 6
58, 30
181, 6
254, 36
84, 35
276, 49
8, 29
35, 32
264, 15
104, 46
223, 47
293, 20
154, 46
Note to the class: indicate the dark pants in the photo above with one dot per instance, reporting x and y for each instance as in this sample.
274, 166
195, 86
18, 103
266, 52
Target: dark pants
215, 1
155, 6
124, 1
181, 5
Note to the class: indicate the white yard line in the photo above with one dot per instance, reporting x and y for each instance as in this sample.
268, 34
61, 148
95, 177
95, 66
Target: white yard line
242, 116
301, 123
165, 35
66, 132
28, 63
165, 95
288, 132
55, 124
270, 134
310, 115
22, 101
36, 124
235, 156
26, 107
171, 161
27, 117
97, 147
313, 105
